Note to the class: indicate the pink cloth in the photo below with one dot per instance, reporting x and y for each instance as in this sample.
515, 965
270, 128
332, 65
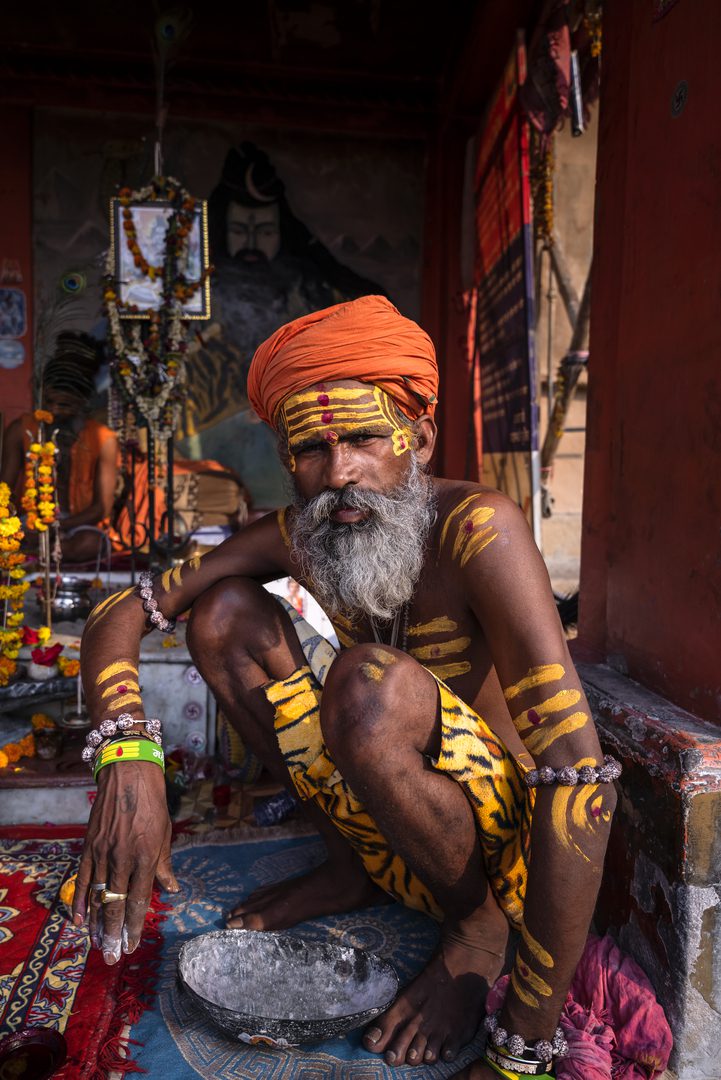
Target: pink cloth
616, 1030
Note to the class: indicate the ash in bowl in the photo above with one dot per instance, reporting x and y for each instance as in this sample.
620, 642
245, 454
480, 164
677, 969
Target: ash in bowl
280, 989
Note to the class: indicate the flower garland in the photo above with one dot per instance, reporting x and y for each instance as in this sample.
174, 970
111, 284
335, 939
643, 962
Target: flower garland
68, 666
12, 586
148, 360
40, 479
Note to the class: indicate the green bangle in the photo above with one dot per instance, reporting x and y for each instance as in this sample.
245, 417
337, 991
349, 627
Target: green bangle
513, 1075
129, 750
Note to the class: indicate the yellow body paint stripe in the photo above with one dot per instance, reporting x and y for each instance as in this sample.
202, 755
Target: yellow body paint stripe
534, 981
454, 513
443, 648
476, 542
441, 625
115, 669
535, 676
344, 639
165, 580
539, 739
559, 815
525, 997
194, 563
562, 700
125, 700
476, 518
285, 536
129, 684
342, 620
106, 605
579, 810
374, 672
535, 948
449, 671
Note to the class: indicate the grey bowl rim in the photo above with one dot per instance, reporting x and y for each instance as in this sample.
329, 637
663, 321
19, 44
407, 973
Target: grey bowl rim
283, 934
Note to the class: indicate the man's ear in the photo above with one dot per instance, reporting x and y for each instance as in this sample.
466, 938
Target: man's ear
424, 438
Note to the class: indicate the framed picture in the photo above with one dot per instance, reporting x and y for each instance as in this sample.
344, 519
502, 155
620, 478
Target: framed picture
134, 285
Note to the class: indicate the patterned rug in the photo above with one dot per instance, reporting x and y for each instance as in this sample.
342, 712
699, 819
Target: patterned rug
48, 975
180, 1044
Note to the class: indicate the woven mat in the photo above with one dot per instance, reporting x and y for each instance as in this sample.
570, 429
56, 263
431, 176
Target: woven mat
214, 872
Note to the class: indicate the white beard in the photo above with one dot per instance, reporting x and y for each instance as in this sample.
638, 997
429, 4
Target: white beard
370, 568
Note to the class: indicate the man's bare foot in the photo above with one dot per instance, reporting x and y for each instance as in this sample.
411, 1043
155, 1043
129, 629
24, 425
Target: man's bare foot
439, 1012
327, 890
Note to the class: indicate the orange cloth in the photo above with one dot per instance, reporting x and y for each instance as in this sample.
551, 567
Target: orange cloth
366, 339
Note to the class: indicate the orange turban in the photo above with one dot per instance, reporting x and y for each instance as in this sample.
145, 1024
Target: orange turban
366, 339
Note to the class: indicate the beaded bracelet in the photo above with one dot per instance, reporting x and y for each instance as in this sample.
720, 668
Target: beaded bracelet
516, 1046
128, 750
122, 723
570, 776
150, 604
513, 1074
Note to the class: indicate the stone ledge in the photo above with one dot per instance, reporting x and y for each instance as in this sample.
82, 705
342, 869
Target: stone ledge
661, 896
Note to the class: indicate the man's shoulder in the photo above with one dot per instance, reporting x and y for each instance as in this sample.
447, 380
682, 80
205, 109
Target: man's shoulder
472, 517
456, 496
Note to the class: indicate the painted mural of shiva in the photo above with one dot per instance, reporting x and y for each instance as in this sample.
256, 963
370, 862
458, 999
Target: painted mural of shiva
446, 754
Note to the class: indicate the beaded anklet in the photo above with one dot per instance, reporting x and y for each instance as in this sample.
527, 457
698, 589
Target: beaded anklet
512, 1073
570, 776
515, 1047
150, 604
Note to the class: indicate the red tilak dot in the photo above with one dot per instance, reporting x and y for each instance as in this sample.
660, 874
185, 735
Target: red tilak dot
595, 811
402, 444
331, 437
323, 399
524, 969
533, 716
327, 417
468, 526
121, 689
119, 752
435, 651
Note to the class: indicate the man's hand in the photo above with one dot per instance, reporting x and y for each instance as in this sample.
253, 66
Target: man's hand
127, 845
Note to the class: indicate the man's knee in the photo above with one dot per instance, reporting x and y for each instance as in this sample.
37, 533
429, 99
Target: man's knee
363, 697
228, 613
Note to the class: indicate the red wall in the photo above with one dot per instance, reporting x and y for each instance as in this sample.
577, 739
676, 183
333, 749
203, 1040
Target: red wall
651, 556
16, 245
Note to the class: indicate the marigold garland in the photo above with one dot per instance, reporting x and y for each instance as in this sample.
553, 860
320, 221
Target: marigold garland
38, 499
12, 752
12, 586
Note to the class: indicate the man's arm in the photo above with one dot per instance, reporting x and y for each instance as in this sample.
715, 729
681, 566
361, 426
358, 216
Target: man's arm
128, 838
511, 596
103, 489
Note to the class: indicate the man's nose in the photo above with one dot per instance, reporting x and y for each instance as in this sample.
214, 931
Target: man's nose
341, 467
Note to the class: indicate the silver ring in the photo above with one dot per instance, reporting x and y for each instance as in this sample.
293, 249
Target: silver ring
99, 887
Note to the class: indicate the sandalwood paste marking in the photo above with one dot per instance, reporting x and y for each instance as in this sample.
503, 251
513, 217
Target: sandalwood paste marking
102, 609
471, 538
535, 948
560, 701
119, 687
283, 527
537, 740
535, 676
441, 625
586, 820
114, 669
526, 997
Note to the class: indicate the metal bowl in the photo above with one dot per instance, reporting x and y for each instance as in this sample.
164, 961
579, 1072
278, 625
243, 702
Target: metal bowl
279, 990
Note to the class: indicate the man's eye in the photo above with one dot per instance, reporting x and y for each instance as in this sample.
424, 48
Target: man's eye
359, 440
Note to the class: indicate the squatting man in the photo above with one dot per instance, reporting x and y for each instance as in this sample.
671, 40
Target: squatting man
446, 756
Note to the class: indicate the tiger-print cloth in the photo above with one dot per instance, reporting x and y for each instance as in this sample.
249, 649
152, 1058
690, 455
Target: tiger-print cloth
490, 777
